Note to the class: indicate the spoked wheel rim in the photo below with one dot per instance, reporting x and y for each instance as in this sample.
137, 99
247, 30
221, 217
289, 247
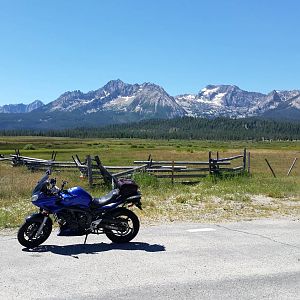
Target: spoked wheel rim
125, 224
30, 232
27, 234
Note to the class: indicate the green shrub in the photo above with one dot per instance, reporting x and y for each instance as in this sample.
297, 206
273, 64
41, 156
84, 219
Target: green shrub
29, 147
145, 180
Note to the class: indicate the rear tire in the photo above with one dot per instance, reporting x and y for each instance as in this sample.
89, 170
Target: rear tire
130, 226
26, 233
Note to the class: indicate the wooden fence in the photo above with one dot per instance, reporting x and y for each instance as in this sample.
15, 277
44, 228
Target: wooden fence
93, 169
33, 163
197, 169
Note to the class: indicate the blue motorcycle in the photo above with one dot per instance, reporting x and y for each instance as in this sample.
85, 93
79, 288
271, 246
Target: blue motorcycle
78, 213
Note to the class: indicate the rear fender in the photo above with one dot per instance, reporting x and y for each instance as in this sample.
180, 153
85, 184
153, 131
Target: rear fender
135, 200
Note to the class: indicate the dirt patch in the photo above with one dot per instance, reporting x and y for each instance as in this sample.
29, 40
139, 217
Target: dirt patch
262, 200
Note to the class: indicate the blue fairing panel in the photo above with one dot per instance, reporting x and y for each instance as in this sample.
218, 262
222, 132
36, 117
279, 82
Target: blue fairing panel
37, 217
73, 197
47, 202
78, 196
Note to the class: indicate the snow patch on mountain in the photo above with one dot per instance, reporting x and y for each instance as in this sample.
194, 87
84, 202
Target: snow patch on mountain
216, 99
119, 103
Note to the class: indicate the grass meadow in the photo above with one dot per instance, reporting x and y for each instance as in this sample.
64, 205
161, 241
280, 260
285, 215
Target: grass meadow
259, 195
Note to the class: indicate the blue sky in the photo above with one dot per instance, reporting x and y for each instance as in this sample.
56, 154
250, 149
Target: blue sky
49, 47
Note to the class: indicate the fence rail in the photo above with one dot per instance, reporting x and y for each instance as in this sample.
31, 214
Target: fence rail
170, 162
163, 168
220, 160
93, 169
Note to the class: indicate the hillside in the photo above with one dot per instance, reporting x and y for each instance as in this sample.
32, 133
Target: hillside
182, 128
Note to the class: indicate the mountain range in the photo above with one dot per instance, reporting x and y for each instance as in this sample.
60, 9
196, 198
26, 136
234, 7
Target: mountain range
119, 102
21, 108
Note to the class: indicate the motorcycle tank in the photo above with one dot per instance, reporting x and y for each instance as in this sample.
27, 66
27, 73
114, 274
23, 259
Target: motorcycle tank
77, 196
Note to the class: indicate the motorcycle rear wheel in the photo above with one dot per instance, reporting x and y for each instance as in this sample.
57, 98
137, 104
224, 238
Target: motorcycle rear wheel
27, 232
129, 226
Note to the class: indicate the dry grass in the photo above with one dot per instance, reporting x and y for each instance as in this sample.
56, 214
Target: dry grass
236, 198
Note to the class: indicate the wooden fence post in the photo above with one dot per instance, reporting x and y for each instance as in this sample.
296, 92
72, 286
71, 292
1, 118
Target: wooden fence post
149, 163
292, 166
173, 171
89, 170
244, 159
270, 167
107, 177
217, 165
249, 163
53, 156
209, 162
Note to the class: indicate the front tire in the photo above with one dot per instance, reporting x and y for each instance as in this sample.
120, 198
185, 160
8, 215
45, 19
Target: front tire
128, 223
27, 232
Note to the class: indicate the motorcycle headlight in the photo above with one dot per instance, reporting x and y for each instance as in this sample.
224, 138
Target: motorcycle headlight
34, 197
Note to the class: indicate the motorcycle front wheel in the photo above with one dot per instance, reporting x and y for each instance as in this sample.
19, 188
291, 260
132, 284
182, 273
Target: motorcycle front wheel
27, 234
128, 226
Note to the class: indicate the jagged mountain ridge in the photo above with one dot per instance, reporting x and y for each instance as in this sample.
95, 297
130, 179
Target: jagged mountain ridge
231, 101
21, 108
119, 102
152, 101
146, 99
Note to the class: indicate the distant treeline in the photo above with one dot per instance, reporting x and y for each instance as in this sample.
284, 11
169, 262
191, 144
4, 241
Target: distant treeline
180, 128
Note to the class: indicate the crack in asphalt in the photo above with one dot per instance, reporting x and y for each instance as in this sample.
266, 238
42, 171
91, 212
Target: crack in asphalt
259, 235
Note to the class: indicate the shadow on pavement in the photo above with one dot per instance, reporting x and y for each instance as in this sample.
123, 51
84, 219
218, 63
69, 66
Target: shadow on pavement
71, 250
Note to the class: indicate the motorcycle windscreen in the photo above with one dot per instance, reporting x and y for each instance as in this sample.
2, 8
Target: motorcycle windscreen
38, 188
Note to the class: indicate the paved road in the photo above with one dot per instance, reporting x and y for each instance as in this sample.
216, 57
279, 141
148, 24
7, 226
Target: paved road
245, 260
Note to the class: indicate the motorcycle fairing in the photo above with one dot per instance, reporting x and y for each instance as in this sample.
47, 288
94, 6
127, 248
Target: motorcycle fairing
38, 217
73, 197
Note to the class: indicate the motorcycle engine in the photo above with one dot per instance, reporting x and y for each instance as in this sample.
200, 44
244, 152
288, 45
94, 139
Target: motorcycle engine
75, 220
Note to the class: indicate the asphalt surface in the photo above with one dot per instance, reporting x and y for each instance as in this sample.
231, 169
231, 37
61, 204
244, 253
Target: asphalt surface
245, 260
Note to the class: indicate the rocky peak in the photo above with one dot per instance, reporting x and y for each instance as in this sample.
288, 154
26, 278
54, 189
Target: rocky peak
21, 108
287, 95
152, 88
274, 96
115, 88
114, 85
34, 105
70, 95
211, 89
228, 96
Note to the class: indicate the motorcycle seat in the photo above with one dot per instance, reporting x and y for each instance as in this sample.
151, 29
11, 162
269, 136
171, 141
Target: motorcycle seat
109, 198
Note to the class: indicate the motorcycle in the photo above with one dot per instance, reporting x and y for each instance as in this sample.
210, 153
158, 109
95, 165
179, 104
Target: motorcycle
78, 213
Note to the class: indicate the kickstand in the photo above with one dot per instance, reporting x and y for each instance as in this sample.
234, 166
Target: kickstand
85, 238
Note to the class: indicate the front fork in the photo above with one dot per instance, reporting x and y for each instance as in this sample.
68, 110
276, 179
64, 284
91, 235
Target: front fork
41, 217
42, 226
